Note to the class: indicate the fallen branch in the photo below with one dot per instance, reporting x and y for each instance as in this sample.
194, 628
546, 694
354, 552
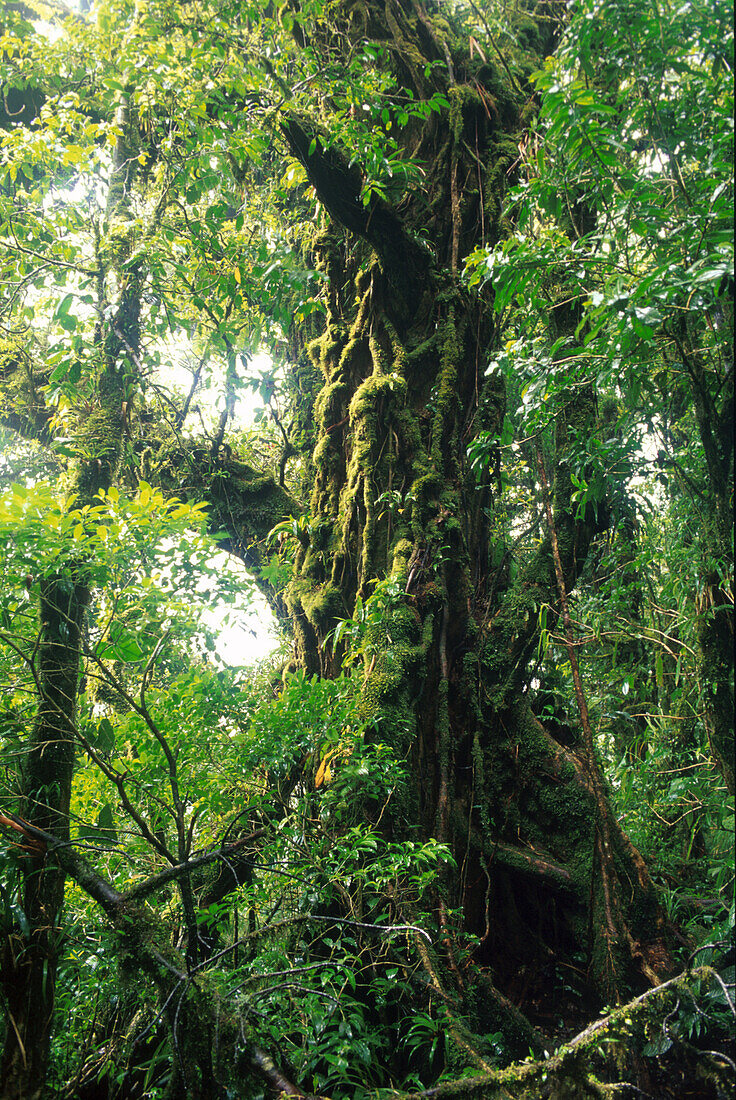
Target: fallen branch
521, 1081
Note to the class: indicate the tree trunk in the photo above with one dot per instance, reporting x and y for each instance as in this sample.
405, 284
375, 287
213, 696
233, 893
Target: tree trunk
403, 354
714, 602
30, 955
29, 959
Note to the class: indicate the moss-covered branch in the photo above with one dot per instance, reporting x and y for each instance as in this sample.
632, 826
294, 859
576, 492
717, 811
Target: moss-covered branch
197, 1014
600, 1061
244, 505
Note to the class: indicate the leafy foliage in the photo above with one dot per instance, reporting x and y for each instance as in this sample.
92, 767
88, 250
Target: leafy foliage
158, 235
625, 211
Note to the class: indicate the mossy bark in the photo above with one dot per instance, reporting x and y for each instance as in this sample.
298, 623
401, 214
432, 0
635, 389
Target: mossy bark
403, 356
29, 957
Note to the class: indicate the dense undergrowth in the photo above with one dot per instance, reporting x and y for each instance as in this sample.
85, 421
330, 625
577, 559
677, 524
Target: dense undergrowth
483, 794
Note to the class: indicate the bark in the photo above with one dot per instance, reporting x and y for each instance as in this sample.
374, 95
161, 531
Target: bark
712, 388
403, 356
29, 958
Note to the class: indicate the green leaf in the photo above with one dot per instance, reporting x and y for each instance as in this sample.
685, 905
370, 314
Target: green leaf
105, 736
106, 823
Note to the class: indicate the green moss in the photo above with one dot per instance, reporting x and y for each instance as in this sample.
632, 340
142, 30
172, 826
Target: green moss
502, 155
520, 604
101, 438
407, 53
461, 97
400, 645
10, 352
329, 407
489, 1014
609, 411
402, 553
528, 34
378, 386
321, 604
492, 404
324, 350
117, 244
424, 493
446, 405
399, 355
18, 396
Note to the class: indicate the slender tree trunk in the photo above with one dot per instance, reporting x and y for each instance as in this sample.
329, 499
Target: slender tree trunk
29, 960
30, 954
714, 601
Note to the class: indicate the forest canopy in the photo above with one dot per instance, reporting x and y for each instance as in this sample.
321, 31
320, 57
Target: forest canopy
412, 321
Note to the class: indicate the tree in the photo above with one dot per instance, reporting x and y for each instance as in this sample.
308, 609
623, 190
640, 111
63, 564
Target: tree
332, 182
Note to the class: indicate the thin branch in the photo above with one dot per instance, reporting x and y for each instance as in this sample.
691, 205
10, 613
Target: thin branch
179, 870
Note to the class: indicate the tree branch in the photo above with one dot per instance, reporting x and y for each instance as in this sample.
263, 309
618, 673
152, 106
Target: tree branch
338, 185
521, 1081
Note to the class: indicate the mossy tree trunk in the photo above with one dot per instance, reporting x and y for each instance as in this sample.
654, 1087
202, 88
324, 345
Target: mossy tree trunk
403, 355
30, 956
714, 602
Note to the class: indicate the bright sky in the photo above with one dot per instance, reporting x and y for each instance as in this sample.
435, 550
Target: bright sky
246, 632
245, 628
247, 636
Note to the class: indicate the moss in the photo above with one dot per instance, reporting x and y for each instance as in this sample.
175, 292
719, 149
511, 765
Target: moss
518, 607
408, 56
399, 355
490, 1014
101, 438
492, 404
20, 402
141, 938
464, 102
321, 604
528, 34
403, 551
329, 407
118, 243
609, 411
327, 456
390, 388
324, 350
503, 154
371, 416
422, 351
11, 351
424, 493
400, 645
446, 405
